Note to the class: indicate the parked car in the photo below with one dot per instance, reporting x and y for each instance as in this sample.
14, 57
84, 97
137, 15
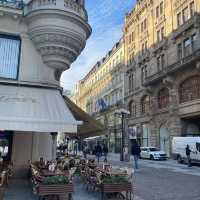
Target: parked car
152, 153
178, 148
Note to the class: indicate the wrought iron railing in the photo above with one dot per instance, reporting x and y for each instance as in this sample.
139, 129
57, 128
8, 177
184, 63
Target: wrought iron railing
17, 4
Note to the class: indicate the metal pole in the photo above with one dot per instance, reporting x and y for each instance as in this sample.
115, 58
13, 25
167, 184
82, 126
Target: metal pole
122, 139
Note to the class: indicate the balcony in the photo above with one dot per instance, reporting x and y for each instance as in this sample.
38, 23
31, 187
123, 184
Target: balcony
162, 45
179, 65
16, 4
193, 22
59, 29
144, 57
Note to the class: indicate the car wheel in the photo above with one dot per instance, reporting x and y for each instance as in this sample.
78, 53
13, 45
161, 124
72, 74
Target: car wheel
179, 159
151, 157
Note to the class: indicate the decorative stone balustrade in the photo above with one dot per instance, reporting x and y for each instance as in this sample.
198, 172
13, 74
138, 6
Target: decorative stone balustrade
64, 5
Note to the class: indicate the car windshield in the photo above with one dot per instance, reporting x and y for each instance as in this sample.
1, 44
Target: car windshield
154, 149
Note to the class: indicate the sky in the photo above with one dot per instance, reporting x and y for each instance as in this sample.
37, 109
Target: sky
106, 18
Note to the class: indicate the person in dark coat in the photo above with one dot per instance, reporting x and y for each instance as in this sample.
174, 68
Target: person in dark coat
98, 151
105, 152
136, 153
188, 152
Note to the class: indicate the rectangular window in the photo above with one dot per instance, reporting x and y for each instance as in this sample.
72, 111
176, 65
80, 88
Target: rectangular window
162, 34
180, 51
162, 61
145, 24
144, 73
192, 9
161, 8
142, 27
145, 45
157, 11
9, 56
187, 45
158, 64
193, 41
158, 36
185, 14
178, 19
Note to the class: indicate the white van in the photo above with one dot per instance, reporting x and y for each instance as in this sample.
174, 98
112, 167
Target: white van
178, 148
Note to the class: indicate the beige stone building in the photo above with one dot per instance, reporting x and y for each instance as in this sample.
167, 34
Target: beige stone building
101, 92
162, 53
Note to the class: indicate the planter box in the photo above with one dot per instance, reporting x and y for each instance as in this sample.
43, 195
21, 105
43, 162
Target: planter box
55, 190
117, 188
111, 188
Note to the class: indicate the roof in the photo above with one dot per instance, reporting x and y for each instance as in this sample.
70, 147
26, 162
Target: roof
90, 126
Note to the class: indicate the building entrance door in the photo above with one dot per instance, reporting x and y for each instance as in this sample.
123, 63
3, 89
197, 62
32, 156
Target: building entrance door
6, 138
165, 140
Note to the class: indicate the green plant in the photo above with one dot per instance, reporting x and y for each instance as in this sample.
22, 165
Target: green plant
55, 180
115, 179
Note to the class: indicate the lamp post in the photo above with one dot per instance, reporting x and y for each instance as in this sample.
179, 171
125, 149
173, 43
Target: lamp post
123, 112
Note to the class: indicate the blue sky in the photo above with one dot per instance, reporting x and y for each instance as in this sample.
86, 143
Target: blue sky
106, 18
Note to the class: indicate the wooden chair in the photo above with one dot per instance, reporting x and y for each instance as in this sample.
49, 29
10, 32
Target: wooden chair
4, 179
2, 193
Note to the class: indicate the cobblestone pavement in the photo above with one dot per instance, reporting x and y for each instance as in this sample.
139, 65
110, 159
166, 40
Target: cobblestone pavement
164, 180
155, 180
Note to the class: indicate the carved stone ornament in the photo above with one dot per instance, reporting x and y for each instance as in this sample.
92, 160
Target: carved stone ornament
59, 31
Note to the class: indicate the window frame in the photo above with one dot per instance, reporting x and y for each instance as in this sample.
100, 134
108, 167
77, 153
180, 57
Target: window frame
16, 38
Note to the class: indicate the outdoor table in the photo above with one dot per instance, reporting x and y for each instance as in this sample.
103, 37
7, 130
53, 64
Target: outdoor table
55, 190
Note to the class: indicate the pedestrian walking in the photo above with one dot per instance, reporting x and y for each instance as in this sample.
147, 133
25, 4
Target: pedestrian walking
136, 154
188, 152
105, 152
98, 151
85, 151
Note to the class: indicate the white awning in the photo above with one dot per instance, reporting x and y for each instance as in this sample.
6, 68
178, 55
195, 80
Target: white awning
35, 110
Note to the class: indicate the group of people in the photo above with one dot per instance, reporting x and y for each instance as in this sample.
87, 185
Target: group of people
99, 151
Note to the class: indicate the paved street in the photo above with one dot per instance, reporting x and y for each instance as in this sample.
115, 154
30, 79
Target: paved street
155, 180
165, 180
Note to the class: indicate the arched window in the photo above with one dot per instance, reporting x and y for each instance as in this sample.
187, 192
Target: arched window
145, 104
190, 89
163, 98
132, 108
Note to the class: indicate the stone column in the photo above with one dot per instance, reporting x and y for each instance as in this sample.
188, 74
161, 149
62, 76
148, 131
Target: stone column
54, 144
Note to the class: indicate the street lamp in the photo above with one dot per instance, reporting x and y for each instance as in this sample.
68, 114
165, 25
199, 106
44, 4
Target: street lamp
123, 112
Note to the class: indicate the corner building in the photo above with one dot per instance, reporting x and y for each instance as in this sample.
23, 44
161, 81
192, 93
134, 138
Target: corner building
38, 41
162, 81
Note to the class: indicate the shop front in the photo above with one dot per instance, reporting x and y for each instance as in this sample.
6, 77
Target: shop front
30, 118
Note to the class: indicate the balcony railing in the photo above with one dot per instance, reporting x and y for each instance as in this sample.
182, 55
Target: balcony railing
64, 5
182, 63
144, 56
17, 4
194, 21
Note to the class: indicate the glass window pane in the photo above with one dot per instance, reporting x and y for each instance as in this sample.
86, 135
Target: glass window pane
9, 57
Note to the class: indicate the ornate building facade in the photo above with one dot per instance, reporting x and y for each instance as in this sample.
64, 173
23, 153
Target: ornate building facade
38, 41
162, 80
101, 92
